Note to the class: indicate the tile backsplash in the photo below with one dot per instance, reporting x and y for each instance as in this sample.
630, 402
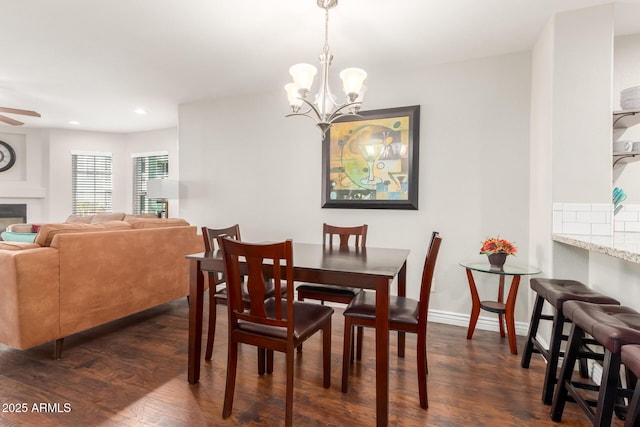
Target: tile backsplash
584, 218
594, 219
628, 219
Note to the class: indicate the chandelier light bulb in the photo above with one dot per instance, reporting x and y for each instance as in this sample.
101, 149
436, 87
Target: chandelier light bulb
293, 95
352, 81
303, 75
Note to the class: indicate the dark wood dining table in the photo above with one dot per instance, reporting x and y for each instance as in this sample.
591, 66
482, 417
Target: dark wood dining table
368, 268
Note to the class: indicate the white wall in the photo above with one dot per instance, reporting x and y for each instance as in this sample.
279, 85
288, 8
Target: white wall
583, 52
242, 162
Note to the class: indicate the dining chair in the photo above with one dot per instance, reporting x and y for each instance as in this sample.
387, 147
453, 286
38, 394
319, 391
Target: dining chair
337, 294
272, 324
217, 288
405, 315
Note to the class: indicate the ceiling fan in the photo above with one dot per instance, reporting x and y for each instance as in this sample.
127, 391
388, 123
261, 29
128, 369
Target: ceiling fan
14, 122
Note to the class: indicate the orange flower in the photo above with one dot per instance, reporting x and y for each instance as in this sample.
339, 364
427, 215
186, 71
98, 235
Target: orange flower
496, 245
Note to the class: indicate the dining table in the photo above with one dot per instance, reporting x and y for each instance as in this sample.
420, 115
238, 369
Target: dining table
368, 268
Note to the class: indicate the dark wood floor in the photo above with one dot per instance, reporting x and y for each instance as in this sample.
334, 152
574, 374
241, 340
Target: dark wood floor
132, 372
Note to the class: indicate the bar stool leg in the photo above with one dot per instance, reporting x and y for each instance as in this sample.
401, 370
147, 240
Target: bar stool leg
608, 388
633, 414
533, 331
551, 372
570, 356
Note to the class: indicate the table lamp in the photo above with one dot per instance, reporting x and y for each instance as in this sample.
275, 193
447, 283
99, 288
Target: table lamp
162, 190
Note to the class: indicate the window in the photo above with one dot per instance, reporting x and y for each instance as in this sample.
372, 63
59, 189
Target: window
91, 183
146, 167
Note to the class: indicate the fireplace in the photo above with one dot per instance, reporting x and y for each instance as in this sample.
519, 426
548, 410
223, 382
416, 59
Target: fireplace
12, 214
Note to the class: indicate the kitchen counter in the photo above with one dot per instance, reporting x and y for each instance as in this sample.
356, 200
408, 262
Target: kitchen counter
621, 245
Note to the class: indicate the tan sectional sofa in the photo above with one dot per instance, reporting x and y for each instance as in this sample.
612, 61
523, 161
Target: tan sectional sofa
77, 276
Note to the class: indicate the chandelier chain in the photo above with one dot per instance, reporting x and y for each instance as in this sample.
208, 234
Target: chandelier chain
325, 49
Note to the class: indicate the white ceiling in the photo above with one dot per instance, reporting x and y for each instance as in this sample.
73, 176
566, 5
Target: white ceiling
95, 61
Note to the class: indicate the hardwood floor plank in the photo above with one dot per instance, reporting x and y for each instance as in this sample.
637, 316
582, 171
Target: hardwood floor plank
133, 372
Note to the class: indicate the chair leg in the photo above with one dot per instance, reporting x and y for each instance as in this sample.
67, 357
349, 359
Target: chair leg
261, 360
211, 332
533, 331
232, 366
57, 348
359, 346
570, 356
346, 353
326, 355
269, 361
289, 397
554, 354
300, 298
422, 369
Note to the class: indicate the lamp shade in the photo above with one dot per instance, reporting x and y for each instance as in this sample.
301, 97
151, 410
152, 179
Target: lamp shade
162, 189
352, 80
303, 75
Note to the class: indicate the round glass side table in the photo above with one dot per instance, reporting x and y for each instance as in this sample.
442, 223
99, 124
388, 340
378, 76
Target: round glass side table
505, 310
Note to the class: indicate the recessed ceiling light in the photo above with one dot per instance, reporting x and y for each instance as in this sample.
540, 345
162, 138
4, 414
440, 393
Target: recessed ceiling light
74, 122
140, 111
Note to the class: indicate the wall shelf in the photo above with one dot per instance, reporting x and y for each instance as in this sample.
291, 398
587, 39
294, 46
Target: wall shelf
625, 118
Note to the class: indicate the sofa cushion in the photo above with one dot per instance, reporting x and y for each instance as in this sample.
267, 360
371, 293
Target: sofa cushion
17, 246
101, 217
49, 231
10, 236
85, 219
20, 228
140, 223
127, 217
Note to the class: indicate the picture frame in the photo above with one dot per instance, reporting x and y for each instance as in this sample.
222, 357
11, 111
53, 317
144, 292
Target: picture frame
370, 161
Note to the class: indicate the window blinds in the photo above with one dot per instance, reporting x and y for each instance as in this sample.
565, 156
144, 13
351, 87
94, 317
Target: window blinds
91, 183
144, 169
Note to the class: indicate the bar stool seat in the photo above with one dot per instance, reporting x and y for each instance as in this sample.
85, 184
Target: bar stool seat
612, 326
630, 356
556, 292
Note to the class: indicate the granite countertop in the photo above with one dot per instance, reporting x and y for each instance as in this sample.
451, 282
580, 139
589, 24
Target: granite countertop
621, 245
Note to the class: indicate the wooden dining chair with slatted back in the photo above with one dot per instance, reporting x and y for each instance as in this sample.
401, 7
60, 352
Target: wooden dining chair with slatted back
337, 294
217, 288
405, 315
276, 323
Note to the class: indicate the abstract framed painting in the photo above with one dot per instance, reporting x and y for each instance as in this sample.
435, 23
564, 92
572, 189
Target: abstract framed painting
370, 161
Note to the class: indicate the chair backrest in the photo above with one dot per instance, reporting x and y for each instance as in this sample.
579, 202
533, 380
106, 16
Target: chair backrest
262, 261
210, 236
344, 233
427, 276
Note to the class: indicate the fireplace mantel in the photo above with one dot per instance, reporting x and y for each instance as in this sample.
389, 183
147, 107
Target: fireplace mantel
17, 191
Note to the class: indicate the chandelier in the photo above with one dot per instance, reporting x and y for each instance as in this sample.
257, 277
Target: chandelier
325, 110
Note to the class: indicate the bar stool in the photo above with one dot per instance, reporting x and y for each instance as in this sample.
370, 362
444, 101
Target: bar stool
556, 292
612, 326
630, 356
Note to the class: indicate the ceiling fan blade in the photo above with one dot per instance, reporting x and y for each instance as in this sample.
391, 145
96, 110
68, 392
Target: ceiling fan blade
18, 111
10, 121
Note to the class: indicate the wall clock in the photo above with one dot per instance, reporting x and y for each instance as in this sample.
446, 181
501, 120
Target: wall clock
7, 156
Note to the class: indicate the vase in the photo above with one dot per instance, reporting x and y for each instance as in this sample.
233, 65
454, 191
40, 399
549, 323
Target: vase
497, 260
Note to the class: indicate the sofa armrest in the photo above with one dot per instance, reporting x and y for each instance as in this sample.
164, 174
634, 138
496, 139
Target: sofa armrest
29, 301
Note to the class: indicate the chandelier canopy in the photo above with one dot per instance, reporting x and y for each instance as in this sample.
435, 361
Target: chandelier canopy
325, 109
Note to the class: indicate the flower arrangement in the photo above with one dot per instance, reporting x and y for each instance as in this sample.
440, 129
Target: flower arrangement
496, 245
